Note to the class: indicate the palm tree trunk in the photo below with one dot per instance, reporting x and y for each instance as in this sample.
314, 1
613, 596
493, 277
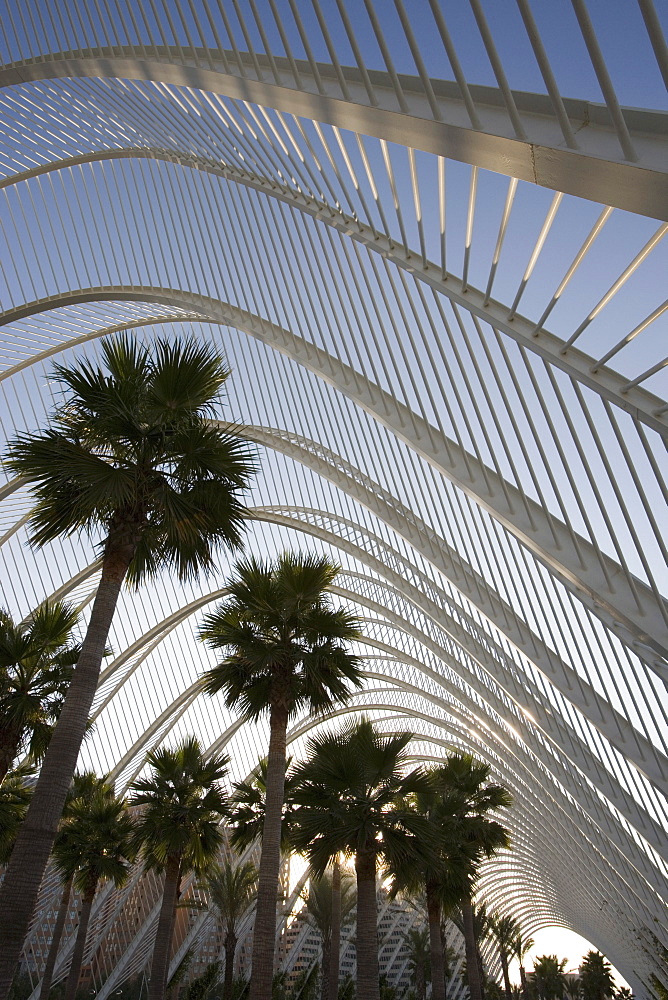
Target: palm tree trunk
481, 968
264, 934
47, 975
20, 888
10, 739
435, 942
420, 981
72, 984
368, 986
326, 966
523, 981
503, 955
165, 931
230, 949
335, 934
472, 966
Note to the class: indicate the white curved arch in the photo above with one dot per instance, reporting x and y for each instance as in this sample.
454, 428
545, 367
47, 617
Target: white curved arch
630, 397
592, 170
519, 514
529, 701
355, 484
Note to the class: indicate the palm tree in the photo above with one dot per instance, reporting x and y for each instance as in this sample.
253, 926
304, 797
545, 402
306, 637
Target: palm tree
504, 929
83, 786
232, 887
445, 878
521, 948
549, 977
95, 843
468, 797
247, 808
329, 900
37, 658
285, 650
130, 458
350, 798
418, 941
596, 977
15, 793
178, 831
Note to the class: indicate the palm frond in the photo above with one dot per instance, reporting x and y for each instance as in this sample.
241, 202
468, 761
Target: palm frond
183, 804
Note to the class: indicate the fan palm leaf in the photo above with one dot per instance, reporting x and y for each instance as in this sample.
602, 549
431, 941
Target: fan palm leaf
37, 658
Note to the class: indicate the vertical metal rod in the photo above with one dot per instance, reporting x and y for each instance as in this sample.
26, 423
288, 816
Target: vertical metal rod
545, 229
547, 74
470, 215
655, 33
603, 77
503, 225
456, 65
621, 280
497, 66
579, 257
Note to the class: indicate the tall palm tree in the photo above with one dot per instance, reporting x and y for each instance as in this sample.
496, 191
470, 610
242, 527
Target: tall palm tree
83, 786
37, 657
504, 929
596, 980
329, 900
96, 843
178, 831
445, 878
521, 948
232, 886
350, 798
469, 798
130, 458
285, 649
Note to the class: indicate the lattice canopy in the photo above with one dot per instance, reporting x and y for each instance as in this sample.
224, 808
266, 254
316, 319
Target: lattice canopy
440, 284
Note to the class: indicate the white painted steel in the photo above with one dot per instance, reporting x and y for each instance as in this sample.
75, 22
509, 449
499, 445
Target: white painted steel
274, 179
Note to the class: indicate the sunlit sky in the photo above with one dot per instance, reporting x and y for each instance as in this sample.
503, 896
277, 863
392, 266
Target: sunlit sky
563, 943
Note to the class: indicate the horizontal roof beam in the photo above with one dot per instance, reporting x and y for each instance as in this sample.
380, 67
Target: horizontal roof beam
597, 170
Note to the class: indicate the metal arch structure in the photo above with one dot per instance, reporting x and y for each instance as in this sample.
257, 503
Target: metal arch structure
451, 371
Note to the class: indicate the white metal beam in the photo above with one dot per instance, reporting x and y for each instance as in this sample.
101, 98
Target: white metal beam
597, 170
575, 563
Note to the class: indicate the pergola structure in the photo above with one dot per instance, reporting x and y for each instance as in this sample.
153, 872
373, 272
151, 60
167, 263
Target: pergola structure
440, 286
